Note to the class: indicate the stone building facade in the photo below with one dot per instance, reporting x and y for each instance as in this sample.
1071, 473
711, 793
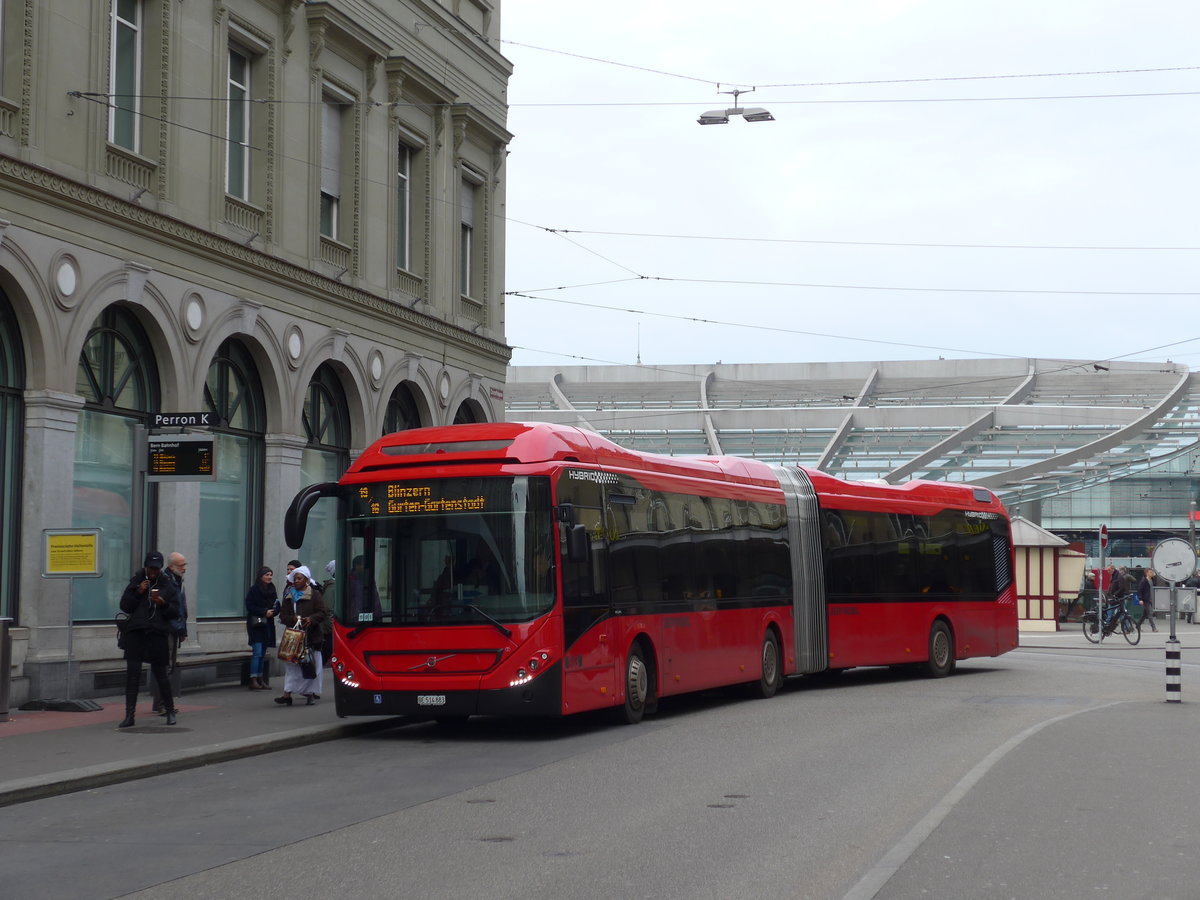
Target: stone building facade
285, 214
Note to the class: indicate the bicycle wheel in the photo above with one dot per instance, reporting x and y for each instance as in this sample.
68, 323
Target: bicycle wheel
1091, 630
1131, 630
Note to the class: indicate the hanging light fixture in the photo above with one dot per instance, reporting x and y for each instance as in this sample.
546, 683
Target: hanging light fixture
722, 116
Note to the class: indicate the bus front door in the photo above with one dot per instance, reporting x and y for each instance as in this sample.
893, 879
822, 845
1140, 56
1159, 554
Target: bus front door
589, 670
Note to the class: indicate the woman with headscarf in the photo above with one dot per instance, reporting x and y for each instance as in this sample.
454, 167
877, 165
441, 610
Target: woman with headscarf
262, 606
304, 605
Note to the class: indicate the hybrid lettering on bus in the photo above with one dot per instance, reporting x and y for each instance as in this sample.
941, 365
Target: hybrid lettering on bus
537, 569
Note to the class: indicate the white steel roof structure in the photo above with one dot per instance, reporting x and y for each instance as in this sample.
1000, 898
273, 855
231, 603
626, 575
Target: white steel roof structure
1027, 429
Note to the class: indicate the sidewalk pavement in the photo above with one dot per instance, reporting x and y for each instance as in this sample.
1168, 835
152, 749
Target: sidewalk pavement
1070, 634
45, 753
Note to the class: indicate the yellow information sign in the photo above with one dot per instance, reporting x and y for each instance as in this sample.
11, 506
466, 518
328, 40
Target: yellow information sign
72, 552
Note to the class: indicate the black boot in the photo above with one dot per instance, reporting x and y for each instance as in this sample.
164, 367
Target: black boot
171, 716
128, 720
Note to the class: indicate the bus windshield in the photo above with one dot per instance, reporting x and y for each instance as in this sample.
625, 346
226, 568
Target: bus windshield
453, 551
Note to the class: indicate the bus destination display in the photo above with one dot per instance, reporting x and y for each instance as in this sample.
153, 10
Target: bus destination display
180, 457
413, 498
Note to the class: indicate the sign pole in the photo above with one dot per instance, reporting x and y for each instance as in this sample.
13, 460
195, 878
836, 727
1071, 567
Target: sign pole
1103, 540
1175, 560
70, 553
70, 634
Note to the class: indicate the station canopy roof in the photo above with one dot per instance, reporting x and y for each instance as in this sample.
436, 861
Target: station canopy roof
1027, 429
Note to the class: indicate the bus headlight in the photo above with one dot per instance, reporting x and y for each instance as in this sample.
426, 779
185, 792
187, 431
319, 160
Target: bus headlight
527, 672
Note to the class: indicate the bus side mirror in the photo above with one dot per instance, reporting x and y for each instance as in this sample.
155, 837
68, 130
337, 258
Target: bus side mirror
577, 543
295, 520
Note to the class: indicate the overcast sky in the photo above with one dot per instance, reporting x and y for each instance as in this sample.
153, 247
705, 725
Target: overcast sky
825, 235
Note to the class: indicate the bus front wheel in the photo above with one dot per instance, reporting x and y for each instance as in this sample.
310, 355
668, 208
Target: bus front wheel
941, 650
639, 686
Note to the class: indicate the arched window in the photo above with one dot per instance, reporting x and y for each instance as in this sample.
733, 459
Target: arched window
12, 417
118, 380
231, 508
327, 428
467, 414
402, 412
326, 423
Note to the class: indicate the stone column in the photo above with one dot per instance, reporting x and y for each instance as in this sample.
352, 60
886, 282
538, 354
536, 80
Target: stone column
283, 458
51, 422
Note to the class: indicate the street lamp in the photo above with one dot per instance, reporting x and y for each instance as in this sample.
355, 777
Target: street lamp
721, 116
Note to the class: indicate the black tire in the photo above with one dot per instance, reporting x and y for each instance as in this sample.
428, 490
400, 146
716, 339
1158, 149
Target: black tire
1091, 630
1131, 630
772, 668
639, 686
941, 651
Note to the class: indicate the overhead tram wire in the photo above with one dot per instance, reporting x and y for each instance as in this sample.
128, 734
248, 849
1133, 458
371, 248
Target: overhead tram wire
630, 104
773, 328
1054, 292
1067, 365
768, 240
698, 320
945, 78
640, 276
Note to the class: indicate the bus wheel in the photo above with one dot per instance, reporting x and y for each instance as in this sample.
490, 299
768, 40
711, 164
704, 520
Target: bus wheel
772, 669
941, 651
639, 686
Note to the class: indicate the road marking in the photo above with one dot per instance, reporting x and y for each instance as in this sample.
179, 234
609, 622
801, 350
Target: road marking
879, 874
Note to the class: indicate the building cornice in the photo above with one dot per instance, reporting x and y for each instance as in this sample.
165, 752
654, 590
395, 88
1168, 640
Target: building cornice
49, 187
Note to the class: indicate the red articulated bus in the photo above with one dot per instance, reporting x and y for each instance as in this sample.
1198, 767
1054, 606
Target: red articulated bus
536, 569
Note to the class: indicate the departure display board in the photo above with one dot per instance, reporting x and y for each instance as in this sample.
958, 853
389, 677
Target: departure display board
181, 457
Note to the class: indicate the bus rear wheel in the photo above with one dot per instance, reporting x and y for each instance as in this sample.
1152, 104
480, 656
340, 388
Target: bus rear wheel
639, 686
772, 668
941, 651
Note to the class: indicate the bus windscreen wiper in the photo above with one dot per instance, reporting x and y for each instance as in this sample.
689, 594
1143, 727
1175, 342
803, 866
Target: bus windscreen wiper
504, 631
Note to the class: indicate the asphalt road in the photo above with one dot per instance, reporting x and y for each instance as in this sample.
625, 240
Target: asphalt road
1044, 773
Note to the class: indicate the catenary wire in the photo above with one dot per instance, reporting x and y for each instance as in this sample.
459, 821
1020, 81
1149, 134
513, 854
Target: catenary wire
611, 62
768, 240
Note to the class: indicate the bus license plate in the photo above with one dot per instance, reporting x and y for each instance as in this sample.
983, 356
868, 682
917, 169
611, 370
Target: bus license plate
431, 699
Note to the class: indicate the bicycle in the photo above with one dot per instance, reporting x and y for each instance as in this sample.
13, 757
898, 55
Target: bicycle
1116, 616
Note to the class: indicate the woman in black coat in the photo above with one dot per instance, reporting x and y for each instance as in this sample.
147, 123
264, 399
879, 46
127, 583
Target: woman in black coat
262, 606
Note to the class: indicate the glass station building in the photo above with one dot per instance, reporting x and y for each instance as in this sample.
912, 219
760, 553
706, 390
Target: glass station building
1067, 444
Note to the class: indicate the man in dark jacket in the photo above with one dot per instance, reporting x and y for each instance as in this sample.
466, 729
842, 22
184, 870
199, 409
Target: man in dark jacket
175, 570
1145, 593
151, 602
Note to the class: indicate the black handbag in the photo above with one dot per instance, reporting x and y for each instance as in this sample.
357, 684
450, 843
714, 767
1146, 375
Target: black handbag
308, 664
255, 621
121, 620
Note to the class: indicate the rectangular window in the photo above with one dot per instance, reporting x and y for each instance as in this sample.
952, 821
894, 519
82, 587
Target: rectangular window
237, 154
403, 206
125, 74
103, 482
465, 248
231, 522
331, 166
